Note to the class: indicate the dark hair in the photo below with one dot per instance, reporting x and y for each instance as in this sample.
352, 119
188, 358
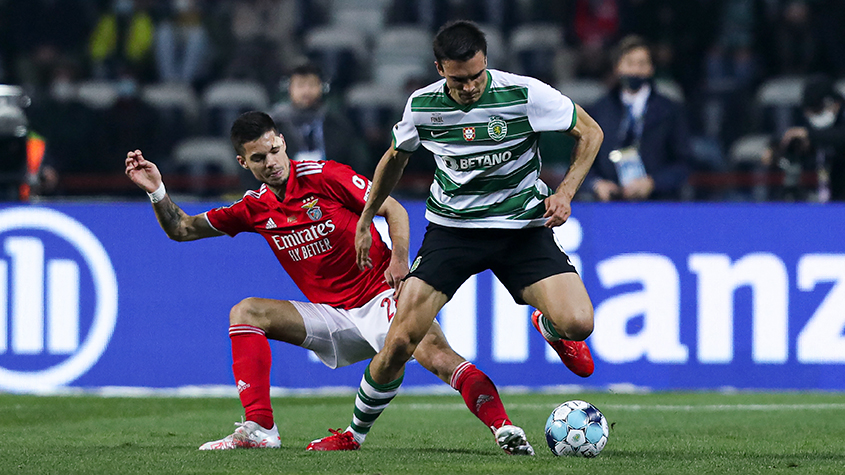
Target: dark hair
459, 41
628, 44
307, 69
250, 126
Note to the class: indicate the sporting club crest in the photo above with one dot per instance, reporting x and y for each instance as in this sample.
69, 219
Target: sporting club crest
469, 134
497, 128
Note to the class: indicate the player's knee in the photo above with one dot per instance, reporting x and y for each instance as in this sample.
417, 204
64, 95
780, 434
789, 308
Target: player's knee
245, 312
575, 324
400, 349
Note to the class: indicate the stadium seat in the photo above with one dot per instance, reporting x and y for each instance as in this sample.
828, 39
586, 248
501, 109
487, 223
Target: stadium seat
367, 16
533, 49
224, 100
670, 89
749, 149
778, 102
584, 92
340, 53
374, 110
177, 110
840, 87
203, 157
402, 52
497, 52
97, 94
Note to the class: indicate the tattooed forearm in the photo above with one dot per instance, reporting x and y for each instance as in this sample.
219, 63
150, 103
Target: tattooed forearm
171, 218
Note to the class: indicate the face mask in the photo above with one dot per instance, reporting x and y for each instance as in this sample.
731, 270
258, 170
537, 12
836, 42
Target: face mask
633, 83
822, 120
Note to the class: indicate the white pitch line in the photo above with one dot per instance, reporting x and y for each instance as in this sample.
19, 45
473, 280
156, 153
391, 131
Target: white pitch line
649, 407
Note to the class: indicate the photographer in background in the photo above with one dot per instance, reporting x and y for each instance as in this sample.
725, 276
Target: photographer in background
820, 144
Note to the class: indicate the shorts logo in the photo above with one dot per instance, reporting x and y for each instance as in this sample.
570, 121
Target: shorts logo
415, 264
497, 128
312, 210
469, 134
45, 289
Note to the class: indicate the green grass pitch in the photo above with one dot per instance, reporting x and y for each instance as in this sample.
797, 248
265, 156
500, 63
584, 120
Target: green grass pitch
657, 433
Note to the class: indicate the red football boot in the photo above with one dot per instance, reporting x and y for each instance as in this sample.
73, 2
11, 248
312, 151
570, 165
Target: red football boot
574, 354
337, 441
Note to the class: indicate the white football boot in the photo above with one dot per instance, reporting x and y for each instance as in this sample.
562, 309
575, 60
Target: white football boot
248, 435
512, 440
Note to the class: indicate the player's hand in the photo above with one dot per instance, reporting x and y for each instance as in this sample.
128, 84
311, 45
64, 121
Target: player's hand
142, 172
605, 190
363, 242
639, 189
396, 271
558, 209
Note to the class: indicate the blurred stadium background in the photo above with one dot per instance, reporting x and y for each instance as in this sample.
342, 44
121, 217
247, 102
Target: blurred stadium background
96, 78
721, 291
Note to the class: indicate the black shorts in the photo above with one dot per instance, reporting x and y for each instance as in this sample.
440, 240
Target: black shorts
518, 257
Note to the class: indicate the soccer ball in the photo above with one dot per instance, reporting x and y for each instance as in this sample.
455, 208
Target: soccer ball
576, 428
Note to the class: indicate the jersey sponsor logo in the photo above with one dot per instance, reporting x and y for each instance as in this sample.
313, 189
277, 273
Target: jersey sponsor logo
303, 236
439, 134
50, 333
497, 128
479, 162
469, 134
312, 210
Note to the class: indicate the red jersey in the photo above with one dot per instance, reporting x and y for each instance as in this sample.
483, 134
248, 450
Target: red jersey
312, 231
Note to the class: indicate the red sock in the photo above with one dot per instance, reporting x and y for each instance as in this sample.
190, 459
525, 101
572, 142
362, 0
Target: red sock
480, 395
251, 360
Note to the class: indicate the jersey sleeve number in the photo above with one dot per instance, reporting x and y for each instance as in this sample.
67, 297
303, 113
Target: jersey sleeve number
359, 182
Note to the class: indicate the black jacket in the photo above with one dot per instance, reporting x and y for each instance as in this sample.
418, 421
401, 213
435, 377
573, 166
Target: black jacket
664, 144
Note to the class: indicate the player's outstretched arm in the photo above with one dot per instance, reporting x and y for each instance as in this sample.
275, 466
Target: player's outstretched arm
175, 222
399, 229
387, 174
588, 138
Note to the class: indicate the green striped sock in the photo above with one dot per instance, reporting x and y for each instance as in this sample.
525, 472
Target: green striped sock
371, 400
549, 332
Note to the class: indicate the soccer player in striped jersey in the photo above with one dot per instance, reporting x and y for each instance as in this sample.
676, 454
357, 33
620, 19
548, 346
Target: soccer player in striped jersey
308, 211
487, 207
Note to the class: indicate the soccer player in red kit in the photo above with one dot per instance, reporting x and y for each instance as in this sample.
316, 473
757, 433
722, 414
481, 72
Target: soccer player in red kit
307, 211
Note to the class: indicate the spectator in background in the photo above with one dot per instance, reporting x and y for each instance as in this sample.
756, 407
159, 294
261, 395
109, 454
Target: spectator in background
646, 140
819, 145
592, 26
123, 40
314, 131
182, 48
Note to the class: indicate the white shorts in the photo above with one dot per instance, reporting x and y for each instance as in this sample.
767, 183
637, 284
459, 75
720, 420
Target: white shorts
341, 337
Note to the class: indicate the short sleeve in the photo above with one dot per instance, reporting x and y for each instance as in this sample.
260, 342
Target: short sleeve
548, 109
350, 189
231, 220
405, 135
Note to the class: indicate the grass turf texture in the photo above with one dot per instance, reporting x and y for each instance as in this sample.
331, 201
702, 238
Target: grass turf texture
668, 433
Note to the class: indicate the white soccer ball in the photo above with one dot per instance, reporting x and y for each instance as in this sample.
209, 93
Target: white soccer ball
576, 428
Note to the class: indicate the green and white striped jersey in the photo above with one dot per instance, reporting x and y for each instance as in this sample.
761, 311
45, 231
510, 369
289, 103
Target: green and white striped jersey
488, 162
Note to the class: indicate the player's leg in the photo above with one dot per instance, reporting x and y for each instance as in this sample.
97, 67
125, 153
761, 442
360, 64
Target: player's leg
476, 388
564, 317
536, 271
418, 305
251, 323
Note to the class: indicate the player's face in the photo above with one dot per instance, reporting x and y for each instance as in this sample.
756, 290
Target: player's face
267, 159
466, 80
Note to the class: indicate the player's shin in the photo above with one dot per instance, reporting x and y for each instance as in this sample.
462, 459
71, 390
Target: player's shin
372, 399
251, 361
480, 395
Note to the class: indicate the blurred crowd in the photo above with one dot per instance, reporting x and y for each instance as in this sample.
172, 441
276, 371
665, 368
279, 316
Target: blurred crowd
96, 78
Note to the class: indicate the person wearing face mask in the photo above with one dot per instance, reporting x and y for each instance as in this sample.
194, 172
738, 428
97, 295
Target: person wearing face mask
820, 144
646, 147
314, 130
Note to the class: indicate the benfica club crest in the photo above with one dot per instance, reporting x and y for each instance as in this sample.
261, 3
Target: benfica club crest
312, 210
469, 134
